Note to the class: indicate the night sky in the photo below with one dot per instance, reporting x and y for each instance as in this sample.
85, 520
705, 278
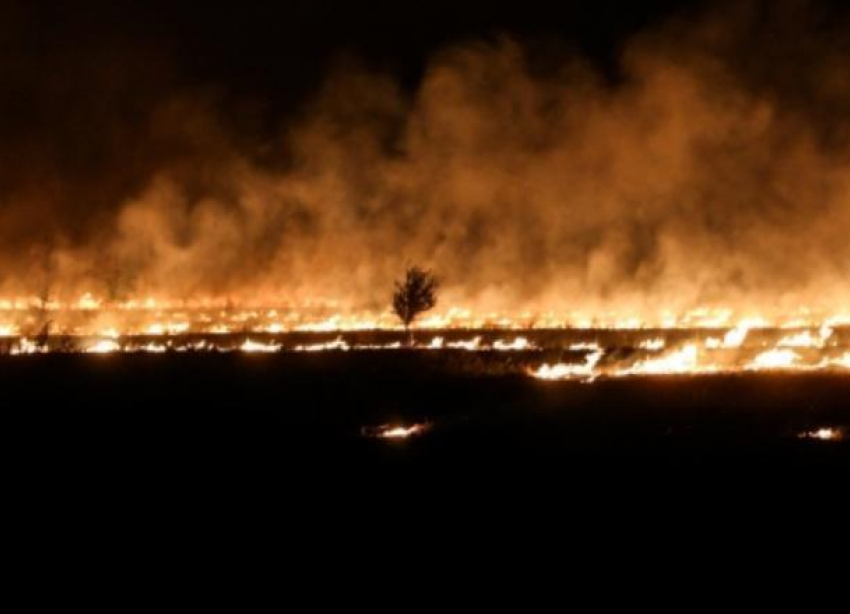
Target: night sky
273, 54
278, 51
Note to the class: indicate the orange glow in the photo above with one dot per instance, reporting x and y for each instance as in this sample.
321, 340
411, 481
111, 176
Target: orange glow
337, 344
683, 360
776, 358
24, 346
653, 344
254, 347
562, 371
397, 432
698, 342
8, 330
104, 346
824, 434
90, 314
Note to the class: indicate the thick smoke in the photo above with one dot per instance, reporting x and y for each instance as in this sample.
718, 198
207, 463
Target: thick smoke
713, 169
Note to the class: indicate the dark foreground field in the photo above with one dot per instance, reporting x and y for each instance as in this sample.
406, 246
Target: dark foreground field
298, 416
164, 459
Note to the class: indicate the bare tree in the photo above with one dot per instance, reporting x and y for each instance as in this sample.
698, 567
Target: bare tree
416, 294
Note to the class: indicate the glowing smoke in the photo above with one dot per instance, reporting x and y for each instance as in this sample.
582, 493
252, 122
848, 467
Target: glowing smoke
714, 170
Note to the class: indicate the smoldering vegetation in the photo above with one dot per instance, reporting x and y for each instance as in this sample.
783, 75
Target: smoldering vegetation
709, 167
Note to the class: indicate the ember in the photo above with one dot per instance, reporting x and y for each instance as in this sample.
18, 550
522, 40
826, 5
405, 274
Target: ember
396, 432
824, 434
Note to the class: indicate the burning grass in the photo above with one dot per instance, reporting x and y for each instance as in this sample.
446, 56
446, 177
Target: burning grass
555, 354
826, 434
396, 432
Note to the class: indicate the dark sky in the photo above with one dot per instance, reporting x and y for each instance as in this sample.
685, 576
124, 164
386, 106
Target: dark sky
279, 50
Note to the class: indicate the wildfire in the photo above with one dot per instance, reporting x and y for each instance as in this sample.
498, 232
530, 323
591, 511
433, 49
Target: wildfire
608, 344
156, 316
104, 346
823, 434
733, 339
561, 371
684, 360
806, 339
653, 345
396, 432
517, 345
7, 330
470, 346
590, 347
168, 328
714, 356
777, 358
153, 348
841, 362
337, 344
477, 344
255, 347
25, 346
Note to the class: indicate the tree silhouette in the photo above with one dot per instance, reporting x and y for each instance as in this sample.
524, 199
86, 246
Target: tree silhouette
416, 294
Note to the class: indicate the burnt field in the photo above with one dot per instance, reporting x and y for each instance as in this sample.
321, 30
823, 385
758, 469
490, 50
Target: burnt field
288, 417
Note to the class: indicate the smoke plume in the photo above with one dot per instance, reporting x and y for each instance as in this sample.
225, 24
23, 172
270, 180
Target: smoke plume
710, 168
